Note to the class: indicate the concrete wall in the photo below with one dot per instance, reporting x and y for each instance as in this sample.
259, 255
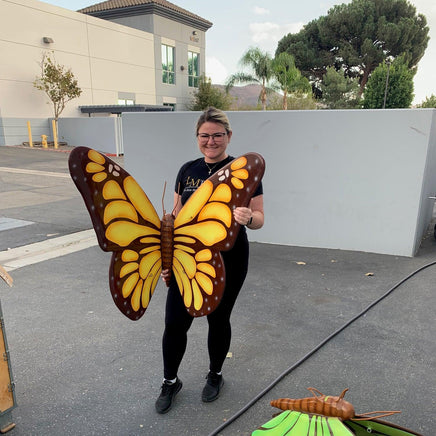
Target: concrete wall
14, 131
100, 133
355, 180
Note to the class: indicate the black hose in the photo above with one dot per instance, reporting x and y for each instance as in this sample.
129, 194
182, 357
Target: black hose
313, 351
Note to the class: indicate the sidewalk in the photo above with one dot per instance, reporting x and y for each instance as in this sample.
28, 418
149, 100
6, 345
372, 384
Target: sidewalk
81, 368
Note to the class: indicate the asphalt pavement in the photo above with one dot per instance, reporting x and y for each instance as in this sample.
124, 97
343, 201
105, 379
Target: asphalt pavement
306, 317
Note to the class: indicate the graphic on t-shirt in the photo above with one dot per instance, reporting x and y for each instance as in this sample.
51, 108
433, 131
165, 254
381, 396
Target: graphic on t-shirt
192, 184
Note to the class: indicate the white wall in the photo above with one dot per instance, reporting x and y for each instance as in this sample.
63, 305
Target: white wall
14, 131
101, 133
355, 180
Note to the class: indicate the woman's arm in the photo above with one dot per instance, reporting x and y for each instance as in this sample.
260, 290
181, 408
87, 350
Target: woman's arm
254, 210
177, 203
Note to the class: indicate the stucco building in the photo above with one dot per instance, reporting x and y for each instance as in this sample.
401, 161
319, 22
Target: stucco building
143, 52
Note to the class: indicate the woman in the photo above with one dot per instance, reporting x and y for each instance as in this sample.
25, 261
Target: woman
213, 136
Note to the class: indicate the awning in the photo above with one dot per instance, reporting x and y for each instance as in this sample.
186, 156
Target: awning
120, 108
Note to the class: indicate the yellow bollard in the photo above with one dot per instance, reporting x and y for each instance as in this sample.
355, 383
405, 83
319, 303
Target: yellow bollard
55, 133
29, 129
44, 141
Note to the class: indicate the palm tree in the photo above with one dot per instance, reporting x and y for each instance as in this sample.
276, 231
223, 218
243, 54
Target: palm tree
288, 76
260, 63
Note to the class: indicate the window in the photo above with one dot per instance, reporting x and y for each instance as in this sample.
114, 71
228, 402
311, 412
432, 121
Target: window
193, 69
126, 101
168, 72
171, 105
126, 98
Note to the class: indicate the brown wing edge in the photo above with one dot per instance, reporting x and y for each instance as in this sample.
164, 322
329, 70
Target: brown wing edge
402, 431
256, 164
77, 162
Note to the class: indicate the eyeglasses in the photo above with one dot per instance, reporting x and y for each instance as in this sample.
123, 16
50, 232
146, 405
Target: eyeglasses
217, 137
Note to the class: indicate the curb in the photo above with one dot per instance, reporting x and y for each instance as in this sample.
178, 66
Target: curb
56, 150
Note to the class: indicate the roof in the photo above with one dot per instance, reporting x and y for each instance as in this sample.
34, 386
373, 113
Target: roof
111, 8
119, 108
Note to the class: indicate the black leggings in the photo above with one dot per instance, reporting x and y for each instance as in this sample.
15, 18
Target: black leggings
178, 321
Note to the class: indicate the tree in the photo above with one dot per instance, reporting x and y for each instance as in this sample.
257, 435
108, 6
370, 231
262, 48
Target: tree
57, 82
295, 101
390, 86
338, 91
357, 37
429, 102
260, 64
289, 77
208, 95
311, 54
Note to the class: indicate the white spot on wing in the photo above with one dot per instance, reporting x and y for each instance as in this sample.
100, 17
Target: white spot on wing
223, 174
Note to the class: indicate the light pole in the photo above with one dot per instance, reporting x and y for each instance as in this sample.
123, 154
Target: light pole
388, 64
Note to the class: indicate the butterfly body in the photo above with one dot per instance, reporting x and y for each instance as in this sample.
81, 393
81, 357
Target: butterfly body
319, 404
167, 246
143, 245
327, 405
326, 415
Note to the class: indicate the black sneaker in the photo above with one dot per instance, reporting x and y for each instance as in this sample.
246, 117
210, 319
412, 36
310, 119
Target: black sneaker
166, 397
211, 390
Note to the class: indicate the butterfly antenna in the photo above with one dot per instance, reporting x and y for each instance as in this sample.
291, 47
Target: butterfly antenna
163, 197
381, 414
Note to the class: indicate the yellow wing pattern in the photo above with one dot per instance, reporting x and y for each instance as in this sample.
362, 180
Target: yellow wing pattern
126, 223
205, 226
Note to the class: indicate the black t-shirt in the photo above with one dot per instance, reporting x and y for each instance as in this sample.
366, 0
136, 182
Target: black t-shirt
193, 173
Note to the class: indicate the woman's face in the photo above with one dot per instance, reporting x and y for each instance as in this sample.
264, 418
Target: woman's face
213, 148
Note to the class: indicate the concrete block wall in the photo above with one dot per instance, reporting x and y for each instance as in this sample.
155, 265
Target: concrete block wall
100, 133
14, 131
354, 180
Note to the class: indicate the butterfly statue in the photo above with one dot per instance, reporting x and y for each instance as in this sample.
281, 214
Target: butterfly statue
328, 416
143, 245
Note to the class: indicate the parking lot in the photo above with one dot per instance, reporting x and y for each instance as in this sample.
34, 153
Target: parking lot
316, 315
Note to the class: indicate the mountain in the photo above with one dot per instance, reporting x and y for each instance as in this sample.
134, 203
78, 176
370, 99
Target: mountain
247, 98
244, 96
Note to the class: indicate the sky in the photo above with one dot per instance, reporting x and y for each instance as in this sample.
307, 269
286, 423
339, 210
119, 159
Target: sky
241, 24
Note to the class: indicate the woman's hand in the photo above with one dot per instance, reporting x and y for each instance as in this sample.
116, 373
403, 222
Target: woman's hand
251, 216
242, 215
166, 276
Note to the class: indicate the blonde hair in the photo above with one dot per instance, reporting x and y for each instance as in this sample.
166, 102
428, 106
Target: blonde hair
214, 115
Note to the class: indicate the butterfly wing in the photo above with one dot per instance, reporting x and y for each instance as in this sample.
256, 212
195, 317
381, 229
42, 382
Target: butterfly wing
378, 427
125, 223
205, 226
292, 423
